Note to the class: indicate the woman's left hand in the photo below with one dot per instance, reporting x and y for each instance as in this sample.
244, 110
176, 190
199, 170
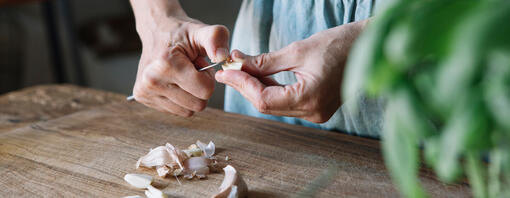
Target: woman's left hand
318, 63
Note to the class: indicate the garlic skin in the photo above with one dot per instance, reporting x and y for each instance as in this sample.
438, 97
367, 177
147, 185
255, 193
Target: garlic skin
207, 149
232, 65
169, 160
233, 185
133, 196
162, 170
138, 180
193, 151
196, 166
166, 159
152, 192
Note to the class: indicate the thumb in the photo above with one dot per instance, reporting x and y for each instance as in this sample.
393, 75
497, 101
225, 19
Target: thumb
214, 40
264, 64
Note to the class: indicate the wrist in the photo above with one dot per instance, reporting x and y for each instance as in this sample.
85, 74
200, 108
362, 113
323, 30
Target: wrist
152, 15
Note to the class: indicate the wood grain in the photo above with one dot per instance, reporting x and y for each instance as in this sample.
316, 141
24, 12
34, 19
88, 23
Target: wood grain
46, 102
86, 153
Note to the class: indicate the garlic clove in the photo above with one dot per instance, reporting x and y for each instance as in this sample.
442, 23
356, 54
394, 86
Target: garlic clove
152, 192
233, 192
234, 65
138, 180
233, 185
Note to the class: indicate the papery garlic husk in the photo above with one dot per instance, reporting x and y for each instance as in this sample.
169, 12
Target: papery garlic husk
166, 159
233, 185
162, 170
208, 149
138, 180
232, 65
158, 156
193, 151
196, 166
177, 155
133, 196
152, 192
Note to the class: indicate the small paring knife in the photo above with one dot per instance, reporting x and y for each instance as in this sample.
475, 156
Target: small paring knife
131, 98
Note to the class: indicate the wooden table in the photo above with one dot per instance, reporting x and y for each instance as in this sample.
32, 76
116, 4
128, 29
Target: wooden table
67, 141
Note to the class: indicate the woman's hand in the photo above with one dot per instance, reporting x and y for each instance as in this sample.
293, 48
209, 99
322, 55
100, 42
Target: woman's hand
318, 64
174, 46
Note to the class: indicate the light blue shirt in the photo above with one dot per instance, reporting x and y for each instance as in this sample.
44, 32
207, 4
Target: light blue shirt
269, 25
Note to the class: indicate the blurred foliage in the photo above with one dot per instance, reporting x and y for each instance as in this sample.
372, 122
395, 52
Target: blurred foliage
443, 67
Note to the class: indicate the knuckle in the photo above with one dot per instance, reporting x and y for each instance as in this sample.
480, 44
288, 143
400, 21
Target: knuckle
165, 69
312, 105
174, 49
186, 114
260, 60
262, 106
206, 92
219, 30
200, 106
151, 81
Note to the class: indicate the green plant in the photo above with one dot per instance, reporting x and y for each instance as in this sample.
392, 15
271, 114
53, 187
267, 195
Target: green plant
443, 67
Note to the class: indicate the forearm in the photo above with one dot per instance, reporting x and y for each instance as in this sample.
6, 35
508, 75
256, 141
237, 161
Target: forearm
150, 14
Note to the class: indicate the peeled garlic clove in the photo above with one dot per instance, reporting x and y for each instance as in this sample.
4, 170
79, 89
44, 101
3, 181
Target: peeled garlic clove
233, 185
138, 180
234, 65
152, 192
208, 149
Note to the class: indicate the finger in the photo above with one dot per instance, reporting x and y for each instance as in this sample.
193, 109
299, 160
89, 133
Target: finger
183, 73
214, 40
279, 100
200, 62
264, 64
160, 103
268, 81
164, 103
183, 98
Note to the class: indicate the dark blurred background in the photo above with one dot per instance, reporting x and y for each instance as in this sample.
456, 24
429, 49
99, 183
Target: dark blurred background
91, 43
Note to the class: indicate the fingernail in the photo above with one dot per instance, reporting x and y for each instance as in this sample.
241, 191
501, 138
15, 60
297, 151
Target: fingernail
237, 55
221, 54
219, 75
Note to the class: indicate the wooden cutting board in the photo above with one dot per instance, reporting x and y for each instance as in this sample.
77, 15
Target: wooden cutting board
86, 151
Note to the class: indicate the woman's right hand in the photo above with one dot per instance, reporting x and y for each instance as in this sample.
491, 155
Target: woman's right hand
174, 47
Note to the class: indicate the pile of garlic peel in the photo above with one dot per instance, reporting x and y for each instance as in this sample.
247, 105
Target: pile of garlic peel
191, 162
169, 160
